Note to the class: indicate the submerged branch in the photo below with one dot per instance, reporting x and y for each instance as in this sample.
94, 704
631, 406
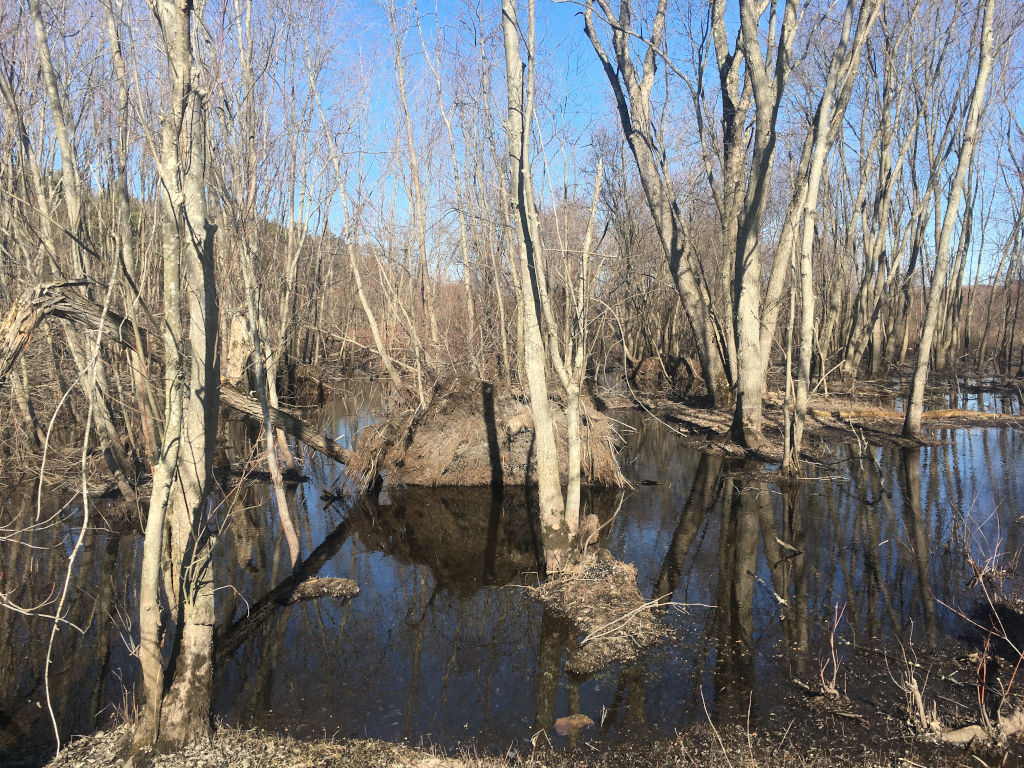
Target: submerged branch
302, 584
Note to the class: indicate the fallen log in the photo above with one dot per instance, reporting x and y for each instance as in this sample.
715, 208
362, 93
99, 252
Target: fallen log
249, 406
1008, 727
878, 414
958, 413
64, 301
301, 584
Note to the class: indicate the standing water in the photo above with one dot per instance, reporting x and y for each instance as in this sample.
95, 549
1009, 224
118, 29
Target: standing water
445, 645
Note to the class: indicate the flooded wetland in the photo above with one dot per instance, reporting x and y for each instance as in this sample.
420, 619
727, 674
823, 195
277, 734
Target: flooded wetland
792, 608
518, 383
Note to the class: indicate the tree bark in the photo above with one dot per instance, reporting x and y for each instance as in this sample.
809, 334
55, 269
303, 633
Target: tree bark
518, 127
915, 404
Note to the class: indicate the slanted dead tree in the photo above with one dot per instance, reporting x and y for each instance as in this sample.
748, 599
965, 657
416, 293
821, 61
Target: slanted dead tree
632, 87
241, 188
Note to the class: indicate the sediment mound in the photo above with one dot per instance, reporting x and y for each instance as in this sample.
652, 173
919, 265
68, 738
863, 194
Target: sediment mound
474, 434
600, 598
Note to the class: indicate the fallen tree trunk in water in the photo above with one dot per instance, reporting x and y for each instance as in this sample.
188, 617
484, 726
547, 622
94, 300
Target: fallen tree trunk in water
1008, 727
883, 413
61, 300
248, 405
300, 585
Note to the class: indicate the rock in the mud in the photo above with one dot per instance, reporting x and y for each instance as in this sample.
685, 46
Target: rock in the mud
572, 724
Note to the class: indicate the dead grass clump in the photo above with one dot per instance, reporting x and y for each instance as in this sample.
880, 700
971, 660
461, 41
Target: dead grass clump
648, 375
474, 434
600, 598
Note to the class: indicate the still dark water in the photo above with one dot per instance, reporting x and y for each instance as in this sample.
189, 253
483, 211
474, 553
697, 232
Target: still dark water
444, 644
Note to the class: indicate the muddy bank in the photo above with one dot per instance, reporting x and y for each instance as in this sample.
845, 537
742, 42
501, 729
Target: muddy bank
472, 433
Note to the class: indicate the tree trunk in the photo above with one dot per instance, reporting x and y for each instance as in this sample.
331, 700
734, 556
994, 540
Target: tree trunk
518, 126
181, 715
915, 404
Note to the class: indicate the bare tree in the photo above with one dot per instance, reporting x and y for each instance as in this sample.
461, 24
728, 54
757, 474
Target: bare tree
179, 713
965, 156
518, 127
828, 118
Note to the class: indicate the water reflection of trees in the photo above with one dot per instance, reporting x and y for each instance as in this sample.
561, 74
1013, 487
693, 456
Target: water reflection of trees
440, 646
876, 542
83, 674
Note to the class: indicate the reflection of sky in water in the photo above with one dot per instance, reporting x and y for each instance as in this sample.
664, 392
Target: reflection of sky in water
969, 396
430, 651
411, 659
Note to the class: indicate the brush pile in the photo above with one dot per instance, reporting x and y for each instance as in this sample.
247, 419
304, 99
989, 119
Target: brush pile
472, 433
599, 597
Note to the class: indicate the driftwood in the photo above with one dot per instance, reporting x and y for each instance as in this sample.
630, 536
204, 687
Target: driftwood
64, 301
885, 413
324, 586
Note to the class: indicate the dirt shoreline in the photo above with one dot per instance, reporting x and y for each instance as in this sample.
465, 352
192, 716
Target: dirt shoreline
863, 717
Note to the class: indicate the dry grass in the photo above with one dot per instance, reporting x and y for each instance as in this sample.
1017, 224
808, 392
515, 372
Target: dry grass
599, 597
474, 434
